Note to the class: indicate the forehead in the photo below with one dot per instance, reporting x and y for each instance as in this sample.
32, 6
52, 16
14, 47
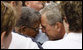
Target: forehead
43, 20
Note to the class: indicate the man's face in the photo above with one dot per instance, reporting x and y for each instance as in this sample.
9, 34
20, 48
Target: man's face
51, 31
37, 5
31, 31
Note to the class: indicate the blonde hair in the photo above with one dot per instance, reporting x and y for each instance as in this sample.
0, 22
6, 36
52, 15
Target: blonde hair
8, 18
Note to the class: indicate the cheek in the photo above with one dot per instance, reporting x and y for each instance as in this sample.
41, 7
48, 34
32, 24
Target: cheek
49, 31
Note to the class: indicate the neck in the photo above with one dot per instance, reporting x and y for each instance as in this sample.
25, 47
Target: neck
7, 41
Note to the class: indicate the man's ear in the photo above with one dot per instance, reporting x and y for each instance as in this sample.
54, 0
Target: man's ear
13, 3
58, 26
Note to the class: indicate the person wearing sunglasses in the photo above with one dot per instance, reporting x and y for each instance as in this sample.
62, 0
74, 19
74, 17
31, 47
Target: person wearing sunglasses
28, 24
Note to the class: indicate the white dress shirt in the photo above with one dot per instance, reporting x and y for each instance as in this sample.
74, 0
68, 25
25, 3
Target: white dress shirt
21, 42
71, 41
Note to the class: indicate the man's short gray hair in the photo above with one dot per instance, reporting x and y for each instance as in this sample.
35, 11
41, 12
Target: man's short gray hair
29, 17
53, 14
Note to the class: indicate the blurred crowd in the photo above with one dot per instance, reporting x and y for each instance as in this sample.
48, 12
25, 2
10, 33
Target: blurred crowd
41, 24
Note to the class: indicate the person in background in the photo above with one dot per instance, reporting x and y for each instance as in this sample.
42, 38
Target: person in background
72, 12
37, 5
